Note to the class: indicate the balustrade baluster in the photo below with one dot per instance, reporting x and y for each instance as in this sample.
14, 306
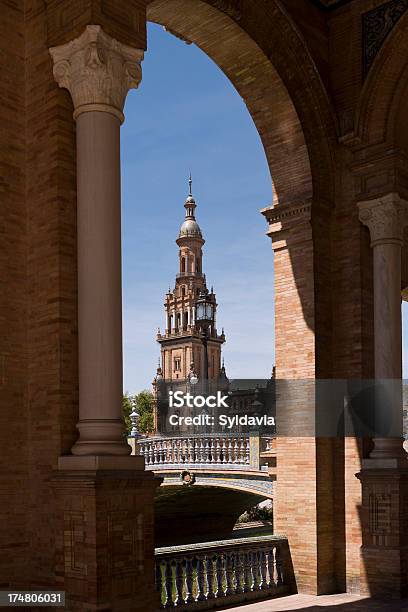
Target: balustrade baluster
168, 575
201, 451
230, 451
271, 572
200, 580
219, 571
236, 451
190, 451
211, 454
189, 580
238, 570
159, 580
262, 566
217, 451
248, 572
255, 572
179, 583
160, 445
209, 570
229, 566
150, 453
248, 451
224, 450
279, 566
207, 451
242, 450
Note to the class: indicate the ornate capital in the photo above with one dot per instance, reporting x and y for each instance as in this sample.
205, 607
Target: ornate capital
97, 70
385, 217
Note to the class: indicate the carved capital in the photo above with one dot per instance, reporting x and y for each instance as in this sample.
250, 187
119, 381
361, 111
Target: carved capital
385, 217
97, 70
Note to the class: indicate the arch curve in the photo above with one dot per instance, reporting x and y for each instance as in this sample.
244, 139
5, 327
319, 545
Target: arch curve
380, 99
251, 70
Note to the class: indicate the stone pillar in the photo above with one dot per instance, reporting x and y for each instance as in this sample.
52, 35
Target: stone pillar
104, 548
384, 475
385, 217
98, 71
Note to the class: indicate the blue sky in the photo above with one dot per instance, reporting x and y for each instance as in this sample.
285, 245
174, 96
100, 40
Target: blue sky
186, 116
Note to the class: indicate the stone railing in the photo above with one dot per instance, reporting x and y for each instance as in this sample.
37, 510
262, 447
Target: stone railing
202, 576
224, 451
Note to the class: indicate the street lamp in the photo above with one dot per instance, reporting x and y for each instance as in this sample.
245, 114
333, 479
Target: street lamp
204, 316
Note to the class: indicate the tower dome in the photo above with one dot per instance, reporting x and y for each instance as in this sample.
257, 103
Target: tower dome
190, 227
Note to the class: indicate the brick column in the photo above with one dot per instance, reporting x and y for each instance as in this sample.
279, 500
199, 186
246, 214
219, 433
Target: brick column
104, 549
98, 71
303, 504
384, 475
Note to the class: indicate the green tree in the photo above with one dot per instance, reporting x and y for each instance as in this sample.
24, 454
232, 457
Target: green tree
143, 404
144, 407
127, 405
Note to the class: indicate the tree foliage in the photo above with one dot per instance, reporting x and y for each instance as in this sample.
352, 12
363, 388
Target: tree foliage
143, 404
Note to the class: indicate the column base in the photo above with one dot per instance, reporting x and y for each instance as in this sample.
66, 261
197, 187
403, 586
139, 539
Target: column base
101, 437
384, 517
104, 533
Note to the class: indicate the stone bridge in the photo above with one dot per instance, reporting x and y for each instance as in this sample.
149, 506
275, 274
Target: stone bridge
208, 481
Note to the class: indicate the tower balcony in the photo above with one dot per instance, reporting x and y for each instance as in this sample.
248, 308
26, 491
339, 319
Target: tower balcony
189, 275
189, 330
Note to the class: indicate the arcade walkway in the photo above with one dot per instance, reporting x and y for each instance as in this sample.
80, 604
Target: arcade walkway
330, 603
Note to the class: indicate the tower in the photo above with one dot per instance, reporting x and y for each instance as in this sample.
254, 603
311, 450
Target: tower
182, 345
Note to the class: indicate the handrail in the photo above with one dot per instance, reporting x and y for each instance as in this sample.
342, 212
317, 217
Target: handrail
200, 576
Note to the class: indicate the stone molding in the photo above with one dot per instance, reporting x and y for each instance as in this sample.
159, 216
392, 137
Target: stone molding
97, 70
385, 217
288, 223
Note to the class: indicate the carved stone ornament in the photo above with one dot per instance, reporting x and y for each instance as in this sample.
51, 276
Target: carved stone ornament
97, 70
385, 217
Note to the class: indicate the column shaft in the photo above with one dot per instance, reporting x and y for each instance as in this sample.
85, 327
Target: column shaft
387, 310
99, 285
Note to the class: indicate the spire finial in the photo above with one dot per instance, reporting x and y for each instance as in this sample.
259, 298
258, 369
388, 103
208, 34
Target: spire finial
190, 183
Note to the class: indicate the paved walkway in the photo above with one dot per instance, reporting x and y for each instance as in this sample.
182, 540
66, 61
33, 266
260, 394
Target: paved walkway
329, 603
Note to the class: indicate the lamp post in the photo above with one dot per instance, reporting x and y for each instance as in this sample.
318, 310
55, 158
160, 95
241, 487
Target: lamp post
204, 316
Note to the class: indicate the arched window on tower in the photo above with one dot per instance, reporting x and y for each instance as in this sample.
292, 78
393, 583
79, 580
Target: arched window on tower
183, 264
183, 290
185, 320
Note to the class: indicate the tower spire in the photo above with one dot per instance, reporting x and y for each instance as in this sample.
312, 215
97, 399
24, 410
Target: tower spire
190, 183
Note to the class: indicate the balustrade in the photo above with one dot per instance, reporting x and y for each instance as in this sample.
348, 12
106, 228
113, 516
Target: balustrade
200, 576
223, 450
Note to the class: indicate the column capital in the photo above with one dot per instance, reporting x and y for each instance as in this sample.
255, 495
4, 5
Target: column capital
385, 217
97, 70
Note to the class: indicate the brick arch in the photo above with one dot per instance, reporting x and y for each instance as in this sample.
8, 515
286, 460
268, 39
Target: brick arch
251, 71
384, 92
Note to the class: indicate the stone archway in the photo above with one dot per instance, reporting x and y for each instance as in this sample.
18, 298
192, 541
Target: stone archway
292, 113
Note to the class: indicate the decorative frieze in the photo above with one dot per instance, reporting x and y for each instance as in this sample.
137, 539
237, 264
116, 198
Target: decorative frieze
97, 70
376, 25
